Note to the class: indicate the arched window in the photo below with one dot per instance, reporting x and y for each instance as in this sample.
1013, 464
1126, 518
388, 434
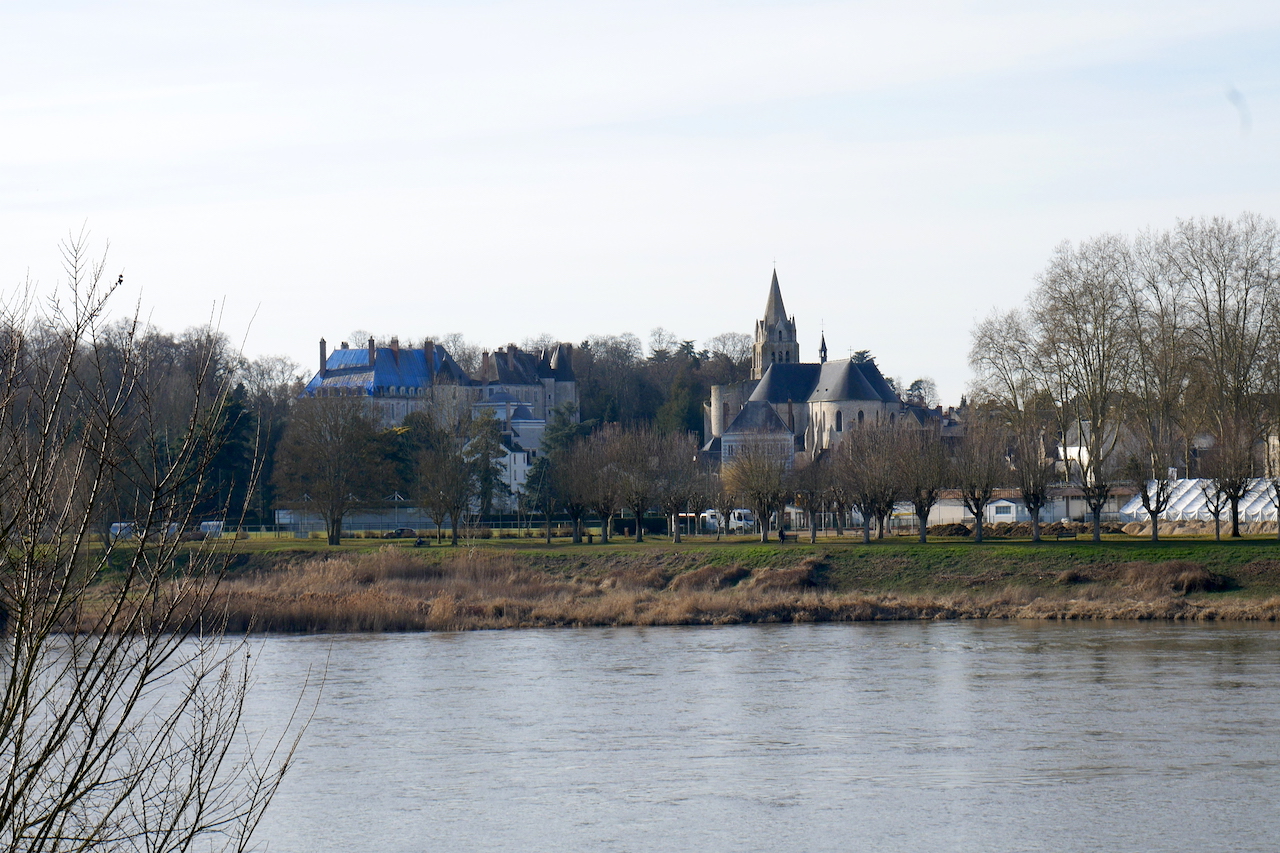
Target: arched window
859, 417
773, 358
839, 421
891, 419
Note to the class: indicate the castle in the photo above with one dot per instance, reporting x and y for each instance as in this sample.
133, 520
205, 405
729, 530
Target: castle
796, 408
520, 389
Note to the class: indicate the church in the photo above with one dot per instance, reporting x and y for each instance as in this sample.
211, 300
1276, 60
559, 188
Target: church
794, 407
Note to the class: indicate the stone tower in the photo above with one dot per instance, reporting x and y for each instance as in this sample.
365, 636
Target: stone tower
775, 335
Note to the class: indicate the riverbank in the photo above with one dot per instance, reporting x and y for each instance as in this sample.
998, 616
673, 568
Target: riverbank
491, 587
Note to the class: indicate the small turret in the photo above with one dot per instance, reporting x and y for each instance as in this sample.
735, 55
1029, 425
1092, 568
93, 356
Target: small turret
822, 350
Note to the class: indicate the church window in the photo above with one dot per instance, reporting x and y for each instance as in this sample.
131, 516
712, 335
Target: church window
859, 417
839, 421
891, 419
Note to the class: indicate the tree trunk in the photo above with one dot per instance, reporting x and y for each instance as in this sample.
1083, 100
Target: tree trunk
1035, 524
548, 527
1217, 527
924, 526
675, 527
813, 528
1235, 518
977, 527
453, 529
1155, 525
1097, 524
335, 531
866, 529
640, 526
577, 530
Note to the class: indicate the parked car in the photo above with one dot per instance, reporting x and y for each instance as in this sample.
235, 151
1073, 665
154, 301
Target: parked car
400, 533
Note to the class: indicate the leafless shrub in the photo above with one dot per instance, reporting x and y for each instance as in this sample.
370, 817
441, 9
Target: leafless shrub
1174, 576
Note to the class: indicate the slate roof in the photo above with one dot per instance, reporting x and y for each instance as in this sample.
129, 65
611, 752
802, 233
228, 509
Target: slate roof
757, 418
830, 382
349, 370
774, 310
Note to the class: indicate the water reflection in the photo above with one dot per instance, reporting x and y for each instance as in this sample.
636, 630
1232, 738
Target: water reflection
954, 736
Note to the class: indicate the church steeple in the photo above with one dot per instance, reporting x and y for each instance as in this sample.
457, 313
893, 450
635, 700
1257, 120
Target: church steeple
773, 309
822, 350
775, 335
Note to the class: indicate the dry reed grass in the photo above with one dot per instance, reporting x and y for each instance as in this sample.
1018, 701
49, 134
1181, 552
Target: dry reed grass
396, 590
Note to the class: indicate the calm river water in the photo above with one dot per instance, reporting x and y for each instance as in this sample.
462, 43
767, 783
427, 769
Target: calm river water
940, 736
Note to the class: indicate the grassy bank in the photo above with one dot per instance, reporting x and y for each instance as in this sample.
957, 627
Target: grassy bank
508, 585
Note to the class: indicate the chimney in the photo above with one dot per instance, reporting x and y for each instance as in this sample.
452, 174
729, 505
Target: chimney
372, 351
511, 356
345, 345
395, 350
484, 366
429, 353
324, 356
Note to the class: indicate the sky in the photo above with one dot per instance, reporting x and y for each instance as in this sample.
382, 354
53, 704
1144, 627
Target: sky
507, 170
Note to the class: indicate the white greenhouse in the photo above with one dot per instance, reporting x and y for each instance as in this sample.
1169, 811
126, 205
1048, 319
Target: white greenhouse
1188, 503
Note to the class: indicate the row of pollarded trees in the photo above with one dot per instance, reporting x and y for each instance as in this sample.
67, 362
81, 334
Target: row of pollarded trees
1144, 356
615, 469
877, 467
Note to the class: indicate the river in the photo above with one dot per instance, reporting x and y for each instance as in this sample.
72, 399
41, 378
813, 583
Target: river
961, 736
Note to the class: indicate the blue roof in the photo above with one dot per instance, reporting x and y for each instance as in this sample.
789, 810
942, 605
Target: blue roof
349, 369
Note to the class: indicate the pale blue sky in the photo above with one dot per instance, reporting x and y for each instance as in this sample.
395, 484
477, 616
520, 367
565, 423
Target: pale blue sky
507, 169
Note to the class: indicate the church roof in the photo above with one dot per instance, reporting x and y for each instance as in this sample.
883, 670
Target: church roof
830, 382
774, 310
757, 418
783, 383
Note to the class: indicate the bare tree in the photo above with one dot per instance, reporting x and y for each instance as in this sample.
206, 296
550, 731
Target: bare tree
1215, 500
678, 476
755, 473
121, 725
599, 454
808, 485
865, 468
924, 470
724, 500
637, 472
980, 465
445, 483
1083, 342
325, 461
1159, 332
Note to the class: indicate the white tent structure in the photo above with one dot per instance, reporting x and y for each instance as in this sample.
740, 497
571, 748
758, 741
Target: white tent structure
1188, 504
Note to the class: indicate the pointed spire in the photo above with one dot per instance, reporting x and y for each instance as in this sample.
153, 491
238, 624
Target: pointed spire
822, 350
773, 309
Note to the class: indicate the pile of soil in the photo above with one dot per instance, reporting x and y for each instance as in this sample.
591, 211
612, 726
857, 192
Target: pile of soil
949, 530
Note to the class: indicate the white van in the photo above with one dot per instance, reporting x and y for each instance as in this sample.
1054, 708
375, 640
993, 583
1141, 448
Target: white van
740, 521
